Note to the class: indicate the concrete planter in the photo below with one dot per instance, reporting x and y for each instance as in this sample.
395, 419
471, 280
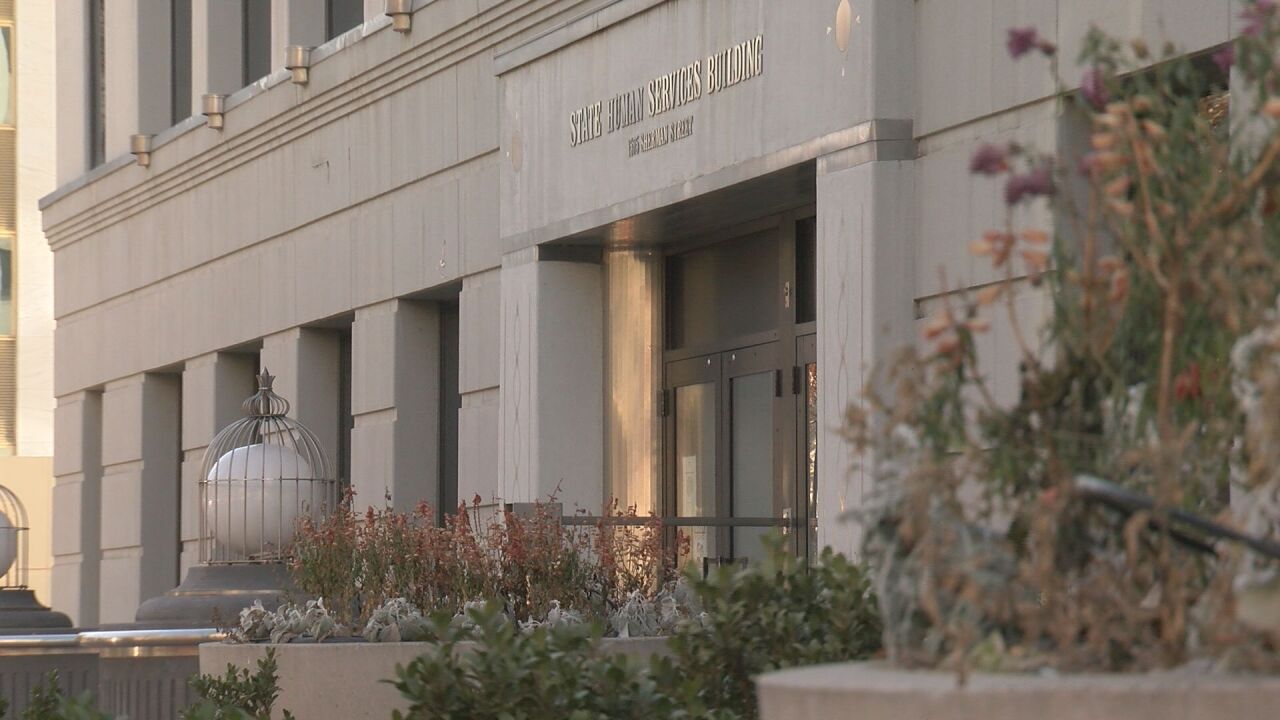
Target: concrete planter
345, 679
879, 692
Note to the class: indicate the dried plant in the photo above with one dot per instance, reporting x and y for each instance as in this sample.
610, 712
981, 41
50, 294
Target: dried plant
985, 553
534, 564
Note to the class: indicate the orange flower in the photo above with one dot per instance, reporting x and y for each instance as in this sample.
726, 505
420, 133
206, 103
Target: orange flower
989, 294
937, 325
1110, 263
1155, 131
1037, 260
1119, 286
1121, 208
1117, 187
981, 247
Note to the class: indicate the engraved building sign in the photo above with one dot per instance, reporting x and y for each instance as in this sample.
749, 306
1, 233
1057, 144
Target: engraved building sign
666, 93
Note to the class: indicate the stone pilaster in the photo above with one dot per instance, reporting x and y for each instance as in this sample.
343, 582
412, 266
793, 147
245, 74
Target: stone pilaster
866, 276
214, 387
395, 397
307, 365
77, 494
140, 492
552, 381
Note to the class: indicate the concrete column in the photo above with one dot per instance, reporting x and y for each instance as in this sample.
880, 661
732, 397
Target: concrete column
479, 373
374, 8
866, 311
138, 67
72, 88
552, 381
140, 485
307, 366
214, 387
295, 22
217, 48
395, 399
77, 495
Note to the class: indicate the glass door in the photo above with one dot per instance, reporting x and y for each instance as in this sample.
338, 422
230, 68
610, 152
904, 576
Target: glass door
724, 491
755, 494
693, 394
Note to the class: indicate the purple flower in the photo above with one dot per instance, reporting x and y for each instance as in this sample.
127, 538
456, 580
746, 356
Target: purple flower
1224, 58
1023, 40
1094, 89
1255, 16
1038, 181
989, 159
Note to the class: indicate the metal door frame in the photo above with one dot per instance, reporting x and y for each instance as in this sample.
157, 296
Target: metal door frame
785, 350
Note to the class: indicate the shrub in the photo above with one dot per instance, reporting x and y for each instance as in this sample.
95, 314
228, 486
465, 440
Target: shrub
237, 695
780, 613
987, 552
47, 702
777, 614
513, 675
528, 563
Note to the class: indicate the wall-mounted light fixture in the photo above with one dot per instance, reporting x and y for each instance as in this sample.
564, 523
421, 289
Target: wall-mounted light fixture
297, 59
140, 146
401, 14
214, 105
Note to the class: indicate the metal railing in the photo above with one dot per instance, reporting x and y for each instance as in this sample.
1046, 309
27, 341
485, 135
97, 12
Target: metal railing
140, 674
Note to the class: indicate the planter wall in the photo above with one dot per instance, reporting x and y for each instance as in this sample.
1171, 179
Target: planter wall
344, 680
883, 693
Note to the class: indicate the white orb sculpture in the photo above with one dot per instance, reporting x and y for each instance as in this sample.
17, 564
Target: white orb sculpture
255, 497
260, 476
8, 544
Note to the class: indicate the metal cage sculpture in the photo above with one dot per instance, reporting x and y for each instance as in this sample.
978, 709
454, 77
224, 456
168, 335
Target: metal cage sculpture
261, 475
13, 541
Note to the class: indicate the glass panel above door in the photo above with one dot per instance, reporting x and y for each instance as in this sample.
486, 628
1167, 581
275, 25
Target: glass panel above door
725, 291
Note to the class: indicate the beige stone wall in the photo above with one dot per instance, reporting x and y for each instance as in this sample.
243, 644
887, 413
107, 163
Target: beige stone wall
30, 473
31, 479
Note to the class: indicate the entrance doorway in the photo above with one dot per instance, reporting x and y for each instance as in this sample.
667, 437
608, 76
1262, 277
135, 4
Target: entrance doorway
740, 392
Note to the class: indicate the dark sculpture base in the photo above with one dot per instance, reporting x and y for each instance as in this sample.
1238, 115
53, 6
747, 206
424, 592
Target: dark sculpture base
214, 595
19, 610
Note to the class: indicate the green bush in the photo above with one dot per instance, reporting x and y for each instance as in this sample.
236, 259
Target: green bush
517, 675
48, 703
237, 695
772, 615
779, 613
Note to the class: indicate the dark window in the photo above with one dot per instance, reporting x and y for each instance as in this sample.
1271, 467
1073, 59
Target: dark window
807, 270
180, 60
345, 420
256, 41
97, 85
722, 292
342, 15
450, 404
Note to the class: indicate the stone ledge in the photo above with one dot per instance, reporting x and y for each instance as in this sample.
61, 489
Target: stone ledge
879, 692
346, 679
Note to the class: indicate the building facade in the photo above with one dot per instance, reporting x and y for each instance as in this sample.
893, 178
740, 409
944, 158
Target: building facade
643, 250
28, 121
